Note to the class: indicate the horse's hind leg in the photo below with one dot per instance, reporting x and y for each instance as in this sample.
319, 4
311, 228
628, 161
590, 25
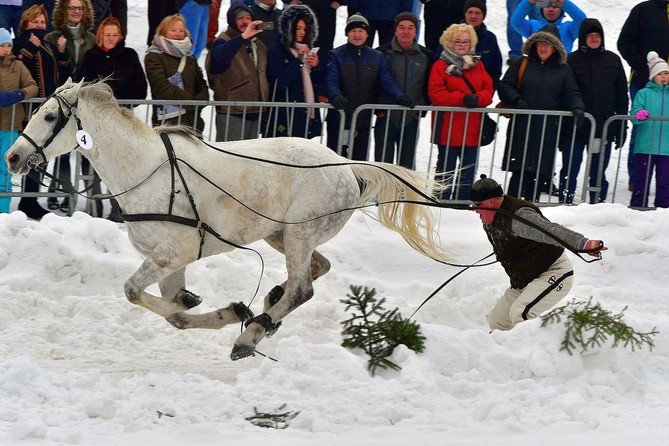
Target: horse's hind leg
298, 290
320, 265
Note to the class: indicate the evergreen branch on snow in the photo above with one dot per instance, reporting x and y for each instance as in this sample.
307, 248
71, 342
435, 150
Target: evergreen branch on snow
377, 331
588, 326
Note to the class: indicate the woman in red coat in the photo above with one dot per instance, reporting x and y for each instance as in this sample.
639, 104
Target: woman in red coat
457, 133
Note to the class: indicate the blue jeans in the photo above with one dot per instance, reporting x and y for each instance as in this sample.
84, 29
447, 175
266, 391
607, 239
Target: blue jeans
514, 39
197, 22
571, 165
464, 176
10, 16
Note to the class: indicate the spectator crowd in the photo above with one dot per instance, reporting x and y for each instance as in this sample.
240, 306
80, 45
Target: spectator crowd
285, 53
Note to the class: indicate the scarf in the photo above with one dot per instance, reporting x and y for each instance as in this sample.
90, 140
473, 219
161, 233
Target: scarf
176, 48
455, 63
307, 86
39, 33
75, 31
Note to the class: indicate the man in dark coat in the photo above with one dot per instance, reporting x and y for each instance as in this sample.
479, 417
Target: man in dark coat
410, 64
601, 79
646, 29
548, 84
487, 46
356, 74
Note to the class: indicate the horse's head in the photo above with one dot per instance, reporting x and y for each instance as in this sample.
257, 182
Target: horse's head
50, 132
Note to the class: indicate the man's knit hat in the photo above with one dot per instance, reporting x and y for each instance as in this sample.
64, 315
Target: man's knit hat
484, 189
357, 21
476, 4
5, 37
402, 16
656, 64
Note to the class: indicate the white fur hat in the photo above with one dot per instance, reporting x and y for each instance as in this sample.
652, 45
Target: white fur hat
656, 65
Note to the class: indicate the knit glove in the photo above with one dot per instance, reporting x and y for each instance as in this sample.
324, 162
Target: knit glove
339, 102
521, 104
471, 100
405, 101
641, 115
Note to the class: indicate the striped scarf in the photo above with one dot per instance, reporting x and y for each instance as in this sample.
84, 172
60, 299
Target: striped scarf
176, 48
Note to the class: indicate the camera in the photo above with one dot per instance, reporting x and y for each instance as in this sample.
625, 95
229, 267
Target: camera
265, 26
543, 3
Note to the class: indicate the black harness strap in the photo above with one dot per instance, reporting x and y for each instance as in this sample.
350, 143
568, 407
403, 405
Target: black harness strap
196, 223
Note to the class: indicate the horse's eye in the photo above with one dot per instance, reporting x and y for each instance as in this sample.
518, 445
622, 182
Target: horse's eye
49, 118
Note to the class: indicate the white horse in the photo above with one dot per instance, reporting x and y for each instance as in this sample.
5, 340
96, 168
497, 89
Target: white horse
208, 201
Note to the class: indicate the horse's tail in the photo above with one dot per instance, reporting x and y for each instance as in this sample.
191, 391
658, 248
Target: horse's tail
388, 183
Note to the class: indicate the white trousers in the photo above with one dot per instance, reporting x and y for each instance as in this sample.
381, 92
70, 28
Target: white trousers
518, 305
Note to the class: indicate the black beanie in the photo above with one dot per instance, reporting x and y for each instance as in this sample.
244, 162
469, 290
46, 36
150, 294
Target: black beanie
406, 16
484, 189
357, 21
476, 4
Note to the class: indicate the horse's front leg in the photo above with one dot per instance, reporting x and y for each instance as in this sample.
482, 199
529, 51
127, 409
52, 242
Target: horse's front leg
176, 299
171, 280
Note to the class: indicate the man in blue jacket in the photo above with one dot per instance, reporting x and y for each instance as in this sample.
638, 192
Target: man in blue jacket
553, 14
487, 46
356, 74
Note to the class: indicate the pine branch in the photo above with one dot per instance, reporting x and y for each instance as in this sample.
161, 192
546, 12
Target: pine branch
377, 338
277, 420
588, 326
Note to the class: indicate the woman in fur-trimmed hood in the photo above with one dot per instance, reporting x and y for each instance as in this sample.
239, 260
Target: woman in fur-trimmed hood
294, 73
547, 84
288, 21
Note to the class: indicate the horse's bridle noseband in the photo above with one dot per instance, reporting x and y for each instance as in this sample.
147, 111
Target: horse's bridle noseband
39, 157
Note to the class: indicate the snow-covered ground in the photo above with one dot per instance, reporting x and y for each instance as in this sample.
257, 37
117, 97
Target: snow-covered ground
80, 365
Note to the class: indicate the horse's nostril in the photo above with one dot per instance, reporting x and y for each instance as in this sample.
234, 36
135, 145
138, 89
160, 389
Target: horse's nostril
14, 158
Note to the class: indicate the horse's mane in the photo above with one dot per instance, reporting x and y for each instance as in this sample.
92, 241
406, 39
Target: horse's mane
102, 95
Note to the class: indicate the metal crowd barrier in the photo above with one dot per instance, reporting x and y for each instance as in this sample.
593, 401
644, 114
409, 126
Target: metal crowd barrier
489, 159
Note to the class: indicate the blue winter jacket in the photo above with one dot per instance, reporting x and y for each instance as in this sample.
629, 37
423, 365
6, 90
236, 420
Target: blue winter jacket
652, 136
568, 29
360, 74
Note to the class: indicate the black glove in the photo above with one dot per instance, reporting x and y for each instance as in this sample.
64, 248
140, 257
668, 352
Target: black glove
620, 135
579, 117
471, 100
339, 102
405, 101
520, 104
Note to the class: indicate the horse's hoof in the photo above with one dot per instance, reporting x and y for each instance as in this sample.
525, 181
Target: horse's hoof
242, 351
188, 299
242, 311
177, 321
